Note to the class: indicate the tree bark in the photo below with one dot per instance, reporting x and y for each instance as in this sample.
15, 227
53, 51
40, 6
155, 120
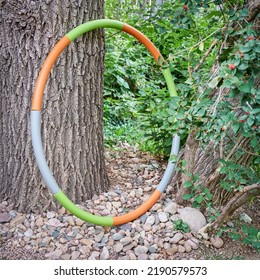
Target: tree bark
72, 120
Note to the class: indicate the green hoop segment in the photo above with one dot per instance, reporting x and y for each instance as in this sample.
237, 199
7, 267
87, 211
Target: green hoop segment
36, 121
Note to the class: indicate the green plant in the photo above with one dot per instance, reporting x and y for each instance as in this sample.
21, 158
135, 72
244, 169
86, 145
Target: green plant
181, 225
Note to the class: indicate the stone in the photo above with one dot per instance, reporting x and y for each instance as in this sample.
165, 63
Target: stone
55, 255
163, 217
217, 242
84, 250
193, 217
118, 247
5, 217
104, 254
28, 233
50, 215
126, 240
177, 237
39, 222
171, 208
129, 246
147, 227
150, 220
116, 204
132, 256
181, 249
193, 245
153, 249
99, 236
143, 257
54, 222
187, 247
79, 222
66, 257
140, 250
75, 255
117, 236
17, 220
172, 250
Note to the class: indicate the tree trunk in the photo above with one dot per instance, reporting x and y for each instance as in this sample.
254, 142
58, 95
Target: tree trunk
204, 160
72, 117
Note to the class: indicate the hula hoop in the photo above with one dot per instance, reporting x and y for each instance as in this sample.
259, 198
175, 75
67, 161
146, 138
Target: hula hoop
36, 121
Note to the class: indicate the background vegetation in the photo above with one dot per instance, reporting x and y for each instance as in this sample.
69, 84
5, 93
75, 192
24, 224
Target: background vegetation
213, 54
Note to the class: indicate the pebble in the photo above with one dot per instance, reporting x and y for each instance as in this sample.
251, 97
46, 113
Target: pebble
172, 250
50, 215
181, 249
217, 242
143, 257
17, 220
75, 255
163, 217
171, 208
140, 250
117, 236
177, 237
126, 240
99, 236
118, 247
5, 217
150, 220
187, 247
28, 232
104, 254
54, 222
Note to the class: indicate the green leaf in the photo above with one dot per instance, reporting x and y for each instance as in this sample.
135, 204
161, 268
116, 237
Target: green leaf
201, 46
254, 143
187, 184
214, 82
199, 198
234, 236
235, 127
243, 66
187, 196
246, 88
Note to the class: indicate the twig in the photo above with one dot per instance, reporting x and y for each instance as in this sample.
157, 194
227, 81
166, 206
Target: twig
205, 55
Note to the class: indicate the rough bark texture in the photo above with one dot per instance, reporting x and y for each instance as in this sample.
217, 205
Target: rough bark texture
72, 111
204, 160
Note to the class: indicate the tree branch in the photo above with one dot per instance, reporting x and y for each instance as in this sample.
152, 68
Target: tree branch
205, 55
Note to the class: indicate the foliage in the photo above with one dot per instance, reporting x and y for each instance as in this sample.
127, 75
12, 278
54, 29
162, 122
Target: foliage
181, 225
213, 54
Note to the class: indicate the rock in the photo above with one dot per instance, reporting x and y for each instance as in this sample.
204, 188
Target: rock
150, 220
116, 204
153, 249
140, 250
54, 222
79, 222
118, 247
87, 242
55, 255
187, 247
70, 220
39, 222
104, 254
117, 236
50, 215
132, 256
75, 255
126, 240
163, 217
5, 217
171, 208
177, 237
217, 242
99, 236
172, 250
193, 245
147, 227
66, 257
17, 220
193, 217
28, 233
129, 246
181, 249
12, 213
84, 250
245, 218
143, 257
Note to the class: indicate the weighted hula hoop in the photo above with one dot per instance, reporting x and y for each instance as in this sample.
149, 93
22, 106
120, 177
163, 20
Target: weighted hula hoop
36, 121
